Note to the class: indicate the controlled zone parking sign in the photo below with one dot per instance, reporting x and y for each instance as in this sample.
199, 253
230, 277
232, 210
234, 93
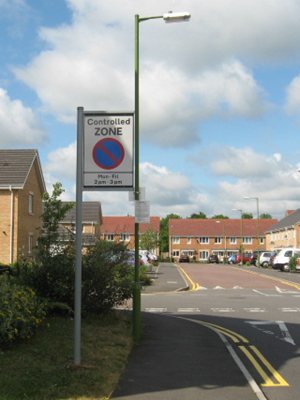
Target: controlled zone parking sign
108, 151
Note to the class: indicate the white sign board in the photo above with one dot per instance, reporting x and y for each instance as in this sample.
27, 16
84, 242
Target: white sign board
108, 151
142, 212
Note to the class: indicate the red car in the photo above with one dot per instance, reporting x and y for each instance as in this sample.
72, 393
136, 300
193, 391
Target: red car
246, 258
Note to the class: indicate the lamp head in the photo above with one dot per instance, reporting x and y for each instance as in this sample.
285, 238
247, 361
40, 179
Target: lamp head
176, 17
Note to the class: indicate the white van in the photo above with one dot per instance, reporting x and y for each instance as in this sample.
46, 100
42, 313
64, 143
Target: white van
282, 259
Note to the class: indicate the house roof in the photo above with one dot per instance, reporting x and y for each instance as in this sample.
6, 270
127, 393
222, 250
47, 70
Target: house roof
219, 227
15, 166
117, 225
91, 213
290, 220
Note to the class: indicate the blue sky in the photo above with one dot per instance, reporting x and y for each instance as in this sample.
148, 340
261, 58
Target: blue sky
219, 96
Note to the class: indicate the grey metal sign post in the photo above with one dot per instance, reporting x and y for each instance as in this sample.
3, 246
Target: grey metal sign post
104, 162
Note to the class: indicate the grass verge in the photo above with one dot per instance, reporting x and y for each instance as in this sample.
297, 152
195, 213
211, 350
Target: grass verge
42, 368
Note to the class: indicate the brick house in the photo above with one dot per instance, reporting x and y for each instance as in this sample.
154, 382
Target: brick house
285, 233
121, 229
199, 238
21, 188
91, 222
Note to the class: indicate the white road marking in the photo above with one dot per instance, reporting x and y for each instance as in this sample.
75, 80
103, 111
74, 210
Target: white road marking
255, 309
266, 294
282, 327
156, 309
188, 310
224, 309
286, 291
289, 309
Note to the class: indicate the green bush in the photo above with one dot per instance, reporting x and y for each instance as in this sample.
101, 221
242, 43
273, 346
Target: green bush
21, 311
293, 264
106, 277
54, 280
144, 277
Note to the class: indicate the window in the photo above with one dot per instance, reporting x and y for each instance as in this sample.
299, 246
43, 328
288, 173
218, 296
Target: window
30, 243
218, 240
232, 240
175, 253
110, 237
203, 255
30, 203
203, 239
247, 240
189, 240
261, 240
176, 240
124, 237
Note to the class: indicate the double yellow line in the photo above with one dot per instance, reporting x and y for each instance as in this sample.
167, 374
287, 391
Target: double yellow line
193, 285
270, 377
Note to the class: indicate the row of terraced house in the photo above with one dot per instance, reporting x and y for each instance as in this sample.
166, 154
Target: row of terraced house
22, 186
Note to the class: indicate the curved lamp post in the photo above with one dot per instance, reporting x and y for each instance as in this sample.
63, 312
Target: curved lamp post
168, 17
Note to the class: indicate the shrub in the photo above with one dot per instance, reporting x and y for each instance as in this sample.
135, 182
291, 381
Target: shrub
54, 280
106, 277
144, 277
21, 311
293, 263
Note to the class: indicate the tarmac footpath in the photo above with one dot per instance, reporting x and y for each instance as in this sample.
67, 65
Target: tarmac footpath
177, 359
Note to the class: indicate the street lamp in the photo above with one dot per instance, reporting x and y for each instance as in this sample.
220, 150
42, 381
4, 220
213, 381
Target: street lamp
257, 222
241, 211
168, 17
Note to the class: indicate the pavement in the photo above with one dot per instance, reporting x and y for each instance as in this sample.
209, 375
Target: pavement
179, 360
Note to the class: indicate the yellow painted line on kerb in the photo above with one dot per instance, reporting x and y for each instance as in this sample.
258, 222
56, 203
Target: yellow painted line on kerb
269, 375
193, 285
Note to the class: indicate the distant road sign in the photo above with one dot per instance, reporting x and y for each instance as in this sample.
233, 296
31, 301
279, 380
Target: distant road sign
108, 153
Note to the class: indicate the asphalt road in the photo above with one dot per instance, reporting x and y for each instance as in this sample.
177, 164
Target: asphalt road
256, 310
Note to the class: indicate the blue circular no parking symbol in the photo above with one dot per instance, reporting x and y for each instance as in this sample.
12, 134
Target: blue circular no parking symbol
108, 153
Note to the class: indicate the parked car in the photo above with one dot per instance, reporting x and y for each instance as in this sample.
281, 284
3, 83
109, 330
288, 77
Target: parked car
245, 258
282, 259
255, 257
213, 258
184, 258
274, 254
232, 259
264, 258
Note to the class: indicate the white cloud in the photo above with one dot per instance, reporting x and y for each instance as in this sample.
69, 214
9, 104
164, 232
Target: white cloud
230, 89
244, 163
18, 124
89, 63
272, 179
61, 163
293, 97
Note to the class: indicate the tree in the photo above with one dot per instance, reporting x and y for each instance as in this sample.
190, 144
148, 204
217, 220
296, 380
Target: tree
219, 216
54, 211
265, 216
164, 232
199, 215
247, 215
149, 240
